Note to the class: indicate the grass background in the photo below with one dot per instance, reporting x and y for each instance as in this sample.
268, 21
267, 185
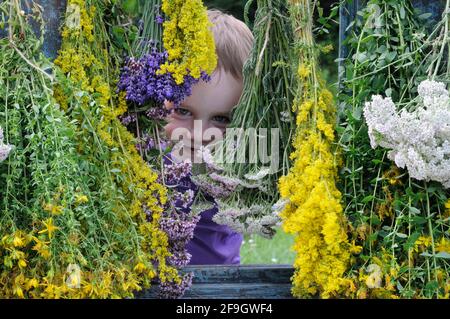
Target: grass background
258, 250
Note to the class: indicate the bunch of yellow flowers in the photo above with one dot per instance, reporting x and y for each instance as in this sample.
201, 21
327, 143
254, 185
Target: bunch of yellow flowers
187, 39
313, 211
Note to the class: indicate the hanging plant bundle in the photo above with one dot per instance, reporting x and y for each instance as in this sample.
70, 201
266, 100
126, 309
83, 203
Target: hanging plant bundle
173, 37
401, 221
312, 208
89, 93
255, 151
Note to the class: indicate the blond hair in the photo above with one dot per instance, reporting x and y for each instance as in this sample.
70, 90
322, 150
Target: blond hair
233, 41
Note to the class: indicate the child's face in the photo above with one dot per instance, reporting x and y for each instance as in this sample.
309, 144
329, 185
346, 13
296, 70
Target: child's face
204, 115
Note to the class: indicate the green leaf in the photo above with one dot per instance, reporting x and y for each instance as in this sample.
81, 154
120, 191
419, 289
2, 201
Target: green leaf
402, 12
425, 16
414, 210
367, 199
130, 6
388, 92
361, 57
418, 220
411, 241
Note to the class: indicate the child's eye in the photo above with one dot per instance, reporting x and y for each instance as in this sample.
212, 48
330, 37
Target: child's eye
222, 119
183, 112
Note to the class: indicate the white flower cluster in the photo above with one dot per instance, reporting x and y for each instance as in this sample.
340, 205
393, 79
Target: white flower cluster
249, 220
418, 140
5, 149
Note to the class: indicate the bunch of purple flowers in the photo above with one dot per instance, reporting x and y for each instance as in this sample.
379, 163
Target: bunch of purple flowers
140, 80
178, 222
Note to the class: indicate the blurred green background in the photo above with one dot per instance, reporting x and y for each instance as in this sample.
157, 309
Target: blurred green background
255, 249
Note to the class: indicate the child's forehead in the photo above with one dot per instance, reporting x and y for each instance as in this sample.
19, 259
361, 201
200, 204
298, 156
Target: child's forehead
221, 93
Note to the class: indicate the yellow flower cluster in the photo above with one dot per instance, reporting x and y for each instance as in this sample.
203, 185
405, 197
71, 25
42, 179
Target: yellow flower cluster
188, 40
314, 212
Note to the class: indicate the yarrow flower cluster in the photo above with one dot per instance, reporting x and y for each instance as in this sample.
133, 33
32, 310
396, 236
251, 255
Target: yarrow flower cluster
419, 139
247, 220
213, 182
5, 149
142, 83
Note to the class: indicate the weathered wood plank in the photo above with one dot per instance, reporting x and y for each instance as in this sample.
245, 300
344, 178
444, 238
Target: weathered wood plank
234, 281
279, 274
229, 291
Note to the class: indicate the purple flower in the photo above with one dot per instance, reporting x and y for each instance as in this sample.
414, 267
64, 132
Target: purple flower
159, 19
157, 113
127, 119
179, 226
142, 84
179, 258
170, 290
174, 172
183, 200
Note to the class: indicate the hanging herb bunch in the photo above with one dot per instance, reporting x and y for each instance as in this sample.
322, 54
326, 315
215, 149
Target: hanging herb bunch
167, 42
255, 150
396, 197
172, 51
86, 91
311, 203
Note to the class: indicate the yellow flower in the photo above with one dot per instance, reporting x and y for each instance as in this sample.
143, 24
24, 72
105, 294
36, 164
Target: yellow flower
17, 290
447, 211
22, 263
49, 227
422, 243
53, 209
140, 267
32, 283
81, 199
18, 240
443, 245
303, 71
188, 39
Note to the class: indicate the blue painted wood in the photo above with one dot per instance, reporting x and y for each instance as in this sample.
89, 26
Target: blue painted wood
275, 274
234, 282
52, 14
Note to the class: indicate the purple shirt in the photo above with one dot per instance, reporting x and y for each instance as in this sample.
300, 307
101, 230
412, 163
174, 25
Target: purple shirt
212, 243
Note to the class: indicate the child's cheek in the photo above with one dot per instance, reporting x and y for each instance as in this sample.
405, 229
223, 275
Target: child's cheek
177, 126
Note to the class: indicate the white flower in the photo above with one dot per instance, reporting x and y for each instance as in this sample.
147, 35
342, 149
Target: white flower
5, 149
285, 116
430, 88
374, 279
279, 206
205, 154
418, 140
260, 175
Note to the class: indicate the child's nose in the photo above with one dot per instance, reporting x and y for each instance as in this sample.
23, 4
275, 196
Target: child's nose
203, 133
